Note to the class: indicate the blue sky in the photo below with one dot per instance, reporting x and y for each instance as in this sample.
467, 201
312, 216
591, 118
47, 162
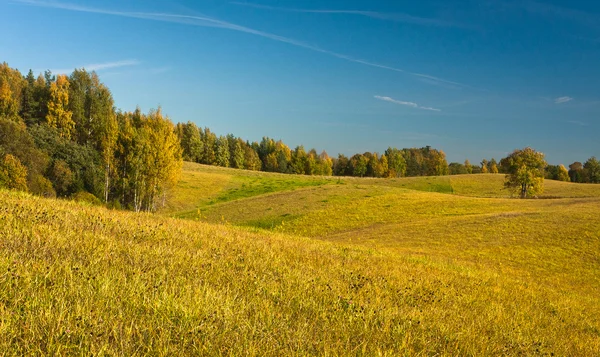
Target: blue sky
476, 79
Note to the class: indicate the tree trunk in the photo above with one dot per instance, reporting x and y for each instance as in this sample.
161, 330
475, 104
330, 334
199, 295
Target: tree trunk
106, 182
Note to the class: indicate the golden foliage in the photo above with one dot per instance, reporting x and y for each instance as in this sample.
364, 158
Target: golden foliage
11, 86
13, 175
58, 114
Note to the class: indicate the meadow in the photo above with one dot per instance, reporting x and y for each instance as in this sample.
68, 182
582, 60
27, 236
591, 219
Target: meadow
251, 263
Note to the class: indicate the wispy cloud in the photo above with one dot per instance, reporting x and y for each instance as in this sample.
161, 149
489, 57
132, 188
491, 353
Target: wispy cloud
397, 17
108, 65
443, 85
205, 21
98, 66
409, 104
561, 100
577, 122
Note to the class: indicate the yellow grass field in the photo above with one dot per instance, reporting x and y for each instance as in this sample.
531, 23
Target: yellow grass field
247, 263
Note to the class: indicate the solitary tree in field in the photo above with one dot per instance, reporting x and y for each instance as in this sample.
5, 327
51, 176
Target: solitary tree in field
524, 172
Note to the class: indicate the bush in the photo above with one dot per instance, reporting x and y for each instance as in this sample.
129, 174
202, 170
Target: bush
114, 204
84, 196
41, 186
62, 177
13, 175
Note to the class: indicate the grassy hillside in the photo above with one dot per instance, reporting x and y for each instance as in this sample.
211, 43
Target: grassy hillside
305, 266
202, 186
311, 206
481, 185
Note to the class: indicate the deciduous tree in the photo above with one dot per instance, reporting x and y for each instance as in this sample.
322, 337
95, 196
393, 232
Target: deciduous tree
209, 139
13, 175
299, 158
456, 168
592, 170
162, 160
342, 166
484, 166
62, 178
468, 167
576, 172
396, 162
562, 174
359, 165
191, 142
325, 164
493, 166
251, 159
525, 172
59, 116
222, 151
238, 154
11, 86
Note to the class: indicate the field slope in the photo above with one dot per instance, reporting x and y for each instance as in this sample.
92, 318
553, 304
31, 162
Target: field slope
266, 264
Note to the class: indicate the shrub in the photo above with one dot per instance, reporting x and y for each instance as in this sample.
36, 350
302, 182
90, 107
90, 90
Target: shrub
41, 186
84, 196
13, 175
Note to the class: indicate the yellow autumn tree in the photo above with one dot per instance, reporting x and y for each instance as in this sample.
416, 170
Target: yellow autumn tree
484, 166
563, 174
162, 158
58, 114
11, 86
13, 175
493, 166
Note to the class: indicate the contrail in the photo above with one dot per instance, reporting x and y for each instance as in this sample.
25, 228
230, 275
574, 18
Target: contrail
397, 17
205, 21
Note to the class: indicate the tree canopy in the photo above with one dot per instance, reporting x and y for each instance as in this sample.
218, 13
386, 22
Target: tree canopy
61, 135
524, 172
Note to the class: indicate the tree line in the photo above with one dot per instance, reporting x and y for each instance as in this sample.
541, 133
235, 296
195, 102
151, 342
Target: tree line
491, 166
61, 136
203, 146
588, 172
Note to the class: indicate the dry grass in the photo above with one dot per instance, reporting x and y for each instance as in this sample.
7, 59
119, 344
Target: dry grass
356, 268
480, 185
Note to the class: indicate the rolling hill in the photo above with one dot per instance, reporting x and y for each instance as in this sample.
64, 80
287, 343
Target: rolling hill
251, 263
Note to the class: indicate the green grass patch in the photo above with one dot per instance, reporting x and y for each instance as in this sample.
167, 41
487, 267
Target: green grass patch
202, 186
246, 186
